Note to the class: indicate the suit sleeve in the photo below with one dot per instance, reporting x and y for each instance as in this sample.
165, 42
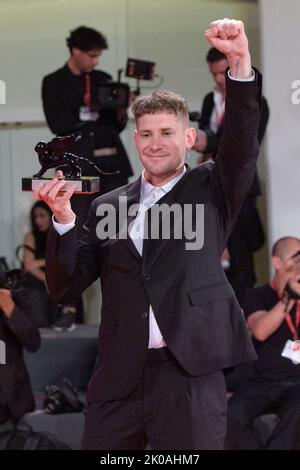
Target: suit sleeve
265, 112
60, 119
71, 265
238, 152
251, 225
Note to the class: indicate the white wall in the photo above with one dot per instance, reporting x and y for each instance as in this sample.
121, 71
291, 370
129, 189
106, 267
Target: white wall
169, 32
280, 61
32, 42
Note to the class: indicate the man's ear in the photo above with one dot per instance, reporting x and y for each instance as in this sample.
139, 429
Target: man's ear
75, 51
276, 262
190, 137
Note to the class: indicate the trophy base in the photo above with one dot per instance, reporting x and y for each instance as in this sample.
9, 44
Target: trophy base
85, 185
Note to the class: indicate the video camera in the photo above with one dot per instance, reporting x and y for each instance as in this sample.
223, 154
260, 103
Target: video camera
11, 280
115, 95
195, 116
112, 95
62, 399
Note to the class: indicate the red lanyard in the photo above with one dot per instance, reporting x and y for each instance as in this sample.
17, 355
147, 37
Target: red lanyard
87, 95
293, 328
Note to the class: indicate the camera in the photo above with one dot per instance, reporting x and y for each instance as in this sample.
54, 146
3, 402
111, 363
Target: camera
115, 95
140, 69
62, 399
112, 95
12, 279
195, 116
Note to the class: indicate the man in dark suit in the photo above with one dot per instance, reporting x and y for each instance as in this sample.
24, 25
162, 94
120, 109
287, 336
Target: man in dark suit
248, 235
170, 321
17, 331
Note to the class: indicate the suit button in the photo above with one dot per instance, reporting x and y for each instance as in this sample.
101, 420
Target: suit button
146, 276
144, 315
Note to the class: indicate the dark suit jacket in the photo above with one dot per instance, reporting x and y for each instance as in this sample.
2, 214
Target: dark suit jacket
17, 332
194, 305
248, 234
62, 95
213, 141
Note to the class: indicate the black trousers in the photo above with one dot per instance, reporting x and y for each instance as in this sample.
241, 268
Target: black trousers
168, 409
257, 397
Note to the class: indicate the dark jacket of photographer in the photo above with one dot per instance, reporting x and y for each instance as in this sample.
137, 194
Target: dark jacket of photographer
63, 95
18, 332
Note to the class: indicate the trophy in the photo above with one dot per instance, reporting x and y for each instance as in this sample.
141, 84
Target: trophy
54, 154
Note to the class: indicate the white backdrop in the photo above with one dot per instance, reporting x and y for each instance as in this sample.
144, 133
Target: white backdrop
32, 41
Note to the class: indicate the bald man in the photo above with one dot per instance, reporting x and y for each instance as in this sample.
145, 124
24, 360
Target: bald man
273, 316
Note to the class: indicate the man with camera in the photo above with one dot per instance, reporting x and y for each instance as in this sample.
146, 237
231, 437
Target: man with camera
273, 316
17, 331
71, 104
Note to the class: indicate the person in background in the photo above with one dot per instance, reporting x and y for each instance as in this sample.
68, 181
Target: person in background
17, 331
44, 312
69, 95
273, 317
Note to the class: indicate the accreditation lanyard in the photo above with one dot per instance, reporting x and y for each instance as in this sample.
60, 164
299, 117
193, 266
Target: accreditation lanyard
293, 328
87, 95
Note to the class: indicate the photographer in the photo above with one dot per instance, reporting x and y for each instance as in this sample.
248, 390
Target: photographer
17, 331
69, 96
273, 316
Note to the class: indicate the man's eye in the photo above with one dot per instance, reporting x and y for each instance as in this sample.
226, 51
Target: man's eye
145, 135
167, 133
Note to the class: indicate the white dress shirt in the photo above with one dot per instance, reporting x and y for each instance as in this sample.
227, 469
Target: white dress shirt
219, 102
218, 110
149, 195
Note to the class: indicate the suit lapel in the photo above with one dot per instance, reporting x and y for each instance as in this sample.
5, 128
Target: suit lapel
133, 197
154, 248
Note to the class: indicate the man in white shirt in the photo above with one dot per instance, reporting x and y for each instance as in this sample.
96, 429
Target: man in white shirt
169, 320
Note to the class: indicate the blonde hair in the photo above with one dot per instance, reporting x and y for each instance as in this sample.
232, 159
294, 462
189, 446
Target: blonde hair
161, 101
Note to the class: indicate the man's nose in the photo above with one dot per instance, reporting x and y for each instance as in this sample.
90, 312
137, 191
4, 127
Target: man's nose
220, 78
155, 143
